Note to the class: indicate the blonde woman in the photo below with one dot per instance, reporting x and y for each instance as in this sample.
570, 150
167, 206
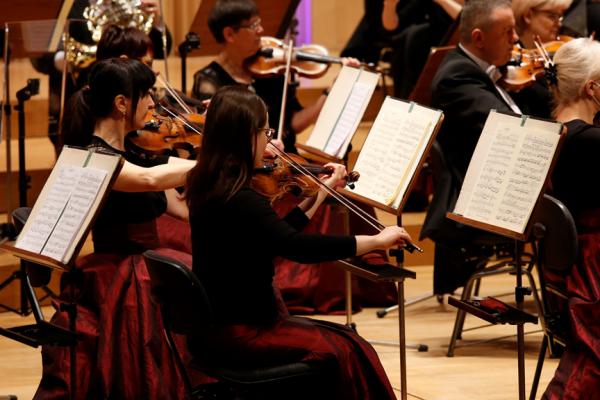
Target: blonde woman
537, 18
541, 18
577, 95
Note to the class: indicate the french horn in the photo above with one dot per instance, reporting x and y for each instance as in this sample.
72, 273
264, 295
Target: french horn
98, 15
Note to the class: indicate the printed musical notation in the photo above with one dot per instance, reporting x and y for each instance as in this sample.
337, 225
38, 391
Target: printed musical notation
508, 171
346, 124
393, 149
63, 211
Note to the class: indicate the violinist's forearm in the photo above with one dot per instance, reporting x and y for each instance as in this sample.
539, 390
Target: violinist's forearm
389, 16
307, 116
452, 7
310, 205
176, 205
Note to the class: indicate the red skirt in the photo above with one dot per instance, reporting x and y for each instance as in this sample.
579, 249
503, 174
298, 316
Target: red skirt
578, 373
122, 352
359, 373
320, 288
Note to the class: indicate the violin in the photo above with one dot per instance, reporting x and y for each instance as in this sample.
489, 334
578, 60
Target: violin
276, 178
309, 61
165, 135
527, 65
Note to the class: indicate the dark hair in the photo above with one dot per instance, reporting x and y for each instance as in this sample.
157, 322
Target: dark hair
117, 41
478, 14
226, 159
107, 79
229, 13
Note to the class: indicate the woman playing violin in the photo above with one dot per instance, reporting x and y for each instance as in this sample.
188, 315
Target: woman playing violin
576, 86
253, 325
236, 26
121, 352
538, 18
533, 19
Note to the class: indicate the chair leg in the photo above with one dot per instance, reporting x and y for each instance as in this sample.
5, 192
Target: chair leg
477, 287
179, 363
460, 318
538, 368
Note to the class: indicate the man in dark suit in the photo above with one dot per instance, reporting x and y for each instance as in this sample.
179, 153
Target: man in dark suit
465, 88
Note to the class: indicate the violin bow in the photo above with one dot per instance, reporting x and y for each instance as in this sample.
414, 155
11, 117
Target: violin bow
173, 93
288, 63
369, 219
164, 37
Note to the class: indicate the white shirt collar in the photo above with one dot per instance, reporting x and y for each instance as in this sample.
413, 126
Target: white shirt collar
490, 69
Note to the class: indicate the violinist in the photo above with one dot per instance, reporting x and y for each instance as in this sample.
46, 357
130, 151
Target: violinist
253, 325
537, 19
576, 86
236, 26
121, 352
466, 88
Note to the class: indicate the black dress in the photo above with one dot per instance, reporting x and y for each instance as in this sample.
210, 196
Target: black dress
121, 352
253, 326
578, 373
213, 77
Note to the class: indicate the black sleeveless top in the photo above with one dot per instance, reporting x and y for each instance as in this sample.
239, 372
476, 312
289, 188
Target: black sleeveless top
125, 223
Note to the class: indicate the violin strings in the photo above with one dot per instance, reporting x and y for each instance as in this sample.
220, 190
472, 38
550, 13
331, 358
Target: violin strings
369, 219
182, 120
173, 93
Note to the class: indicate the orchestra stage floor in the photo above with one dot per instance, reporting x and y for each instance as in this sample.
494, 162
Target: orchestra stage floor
482, 371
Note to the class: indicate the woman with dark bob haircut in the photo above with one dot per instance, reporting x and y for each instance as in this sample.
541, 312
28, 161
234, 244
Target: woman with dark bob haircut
253, 326
121, 352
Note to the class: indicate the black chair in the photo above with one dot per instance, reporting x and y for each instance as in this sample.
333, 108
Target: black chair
491, 254
186, 310
556, 238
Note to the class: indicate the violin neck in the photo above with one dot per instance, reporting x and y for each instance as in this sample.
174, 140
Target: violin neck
304, 56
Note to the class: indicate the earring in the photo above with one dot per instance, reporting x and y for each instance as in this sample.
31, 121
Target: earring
124, 114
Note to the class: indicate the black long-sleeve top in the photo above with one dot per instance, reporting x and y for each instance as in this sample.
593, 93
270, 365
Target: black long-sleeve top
233, 247
577, 162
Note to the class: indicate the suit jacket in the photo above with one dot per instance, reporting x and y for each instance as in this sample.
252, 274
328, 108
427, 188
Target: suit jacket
466, 94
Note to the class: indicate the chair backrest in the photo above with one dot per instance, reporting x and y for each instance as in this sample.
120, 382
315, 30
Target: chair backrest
422, 90
555, 231
555, 228
183, 301
19, 217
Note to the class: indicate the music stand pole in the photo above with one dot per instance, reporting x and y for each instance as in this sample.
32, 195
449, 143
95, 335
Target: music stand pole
191, 42
7, 123
520, 293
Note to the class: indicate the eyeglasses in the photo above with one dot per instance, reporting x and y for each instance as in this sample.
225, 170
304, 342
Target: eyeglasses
254, 26
555, 17
269, 133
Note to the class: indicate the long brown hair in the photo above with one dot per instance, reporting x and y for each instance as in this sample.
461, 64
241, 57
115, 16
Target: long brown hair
226, 158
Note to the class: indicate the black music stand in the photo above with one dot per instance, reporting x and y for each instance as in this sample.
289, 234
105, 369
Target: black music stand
26, 39
496, 214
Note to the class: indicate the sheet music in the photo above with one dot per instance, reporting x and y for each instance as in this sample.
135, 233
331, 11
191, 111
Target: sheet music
342, 111
507, 171
45, 220
346, 124
393, 149
79, 204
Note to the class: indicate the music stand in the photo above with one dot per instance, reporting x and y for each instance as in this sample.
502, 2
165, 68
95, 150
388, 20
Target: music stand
499, 194
24, 39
